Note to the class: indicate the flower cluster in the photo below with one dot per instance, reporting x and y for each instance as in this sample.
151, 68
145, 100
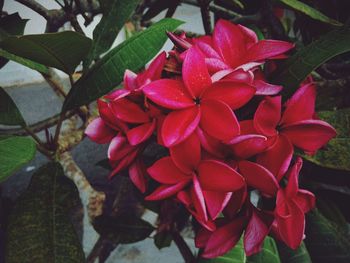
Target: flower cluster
227, 132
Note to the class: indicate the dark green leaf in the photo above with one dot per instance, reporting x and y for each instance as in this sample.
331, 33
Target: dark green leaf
295, 69
39, 228
9, 113
13, 24
336, 154
325, 241
132, 54
163, 239
123, 229
25, 62
119, 11
309, 11
288, 255
62, 50
14, 153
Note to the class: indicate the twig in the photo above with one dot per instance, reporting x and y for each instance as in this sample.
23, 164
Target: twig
183, 247
205, 12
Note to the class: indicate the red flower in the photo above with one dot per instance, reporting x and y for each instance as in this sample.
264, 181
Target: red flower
198, 101
291, 205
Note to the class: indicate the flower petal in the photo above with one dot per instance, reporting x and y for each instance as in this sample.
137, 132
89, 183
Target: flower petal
154, 70
214, 65
265, 49
119, 147
305, 200
268, 115
258, 177
195, 73
234, 94
292, 187
130, 83
236, 202
165, 191
216, 202
179, 125
264, 88
129, 111
198, 200
137, 174
309, 135
301, 106
123, 163
187, 154
107, 114
99, 132
246, 146
168, 93
277, 158
141, 133
217, 176
211, 145
166, 172
218, 120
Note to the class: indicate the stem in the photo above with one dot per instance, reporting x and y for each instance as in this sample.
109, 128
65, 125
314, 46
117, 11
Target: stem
183, 247
205, 12
35, 6
58, 127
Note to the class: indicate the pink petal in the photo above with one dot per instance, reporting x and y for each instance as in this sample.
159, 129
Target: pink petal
217, 176
206, 48
214, 65
241, 75
259, 177
198, 200
216, 202
211, 145
277, 158
309, 135
137, 173
293, 174
118, 148
107, 114
228, 41
119, 93
301, 106
166, 172
130, 82
265, 49
154, 70
168, 93
99, 132
194, 72
129, 111
179, 125
178, 41
234, 94
249, 35
218, 120
246, 146
305, 200
165, 191
121, 164
268, 115
141, 133
247, 127
236, 202
264, 88
187, 154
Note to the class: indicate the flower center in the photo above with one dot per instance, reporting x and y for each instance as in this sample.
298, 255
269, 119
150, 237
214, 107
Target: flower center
197, 100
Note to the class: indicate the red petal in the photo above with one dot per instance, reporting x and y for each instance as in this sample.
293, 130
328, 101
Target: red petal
241, 75
121, 164
187, 154
179, 125
141, 133
130, 80
236, 202
118, 148
305, 200
234, 94
99, 132
268, 115
301, 106
246, 146
217, 176
109, 117
259, 177
154, 70
247, 127
309, 135
228, 40
198, 200
137, 174
218, 120
165, 171
211, 145
168, 93
292, 175
277, 158
250, 35
214, 65
165, 191
216, 202
264, 88
129, 111
206, 48
195, 73
265, 49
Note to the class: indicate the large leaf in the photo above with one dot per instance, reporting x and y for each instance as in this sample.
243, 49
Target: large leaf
325, 241
39, 227
309, 11
62, 50
117, 13
295, 69
269, 254
12, 25
9, 113
132, 54
25, 62
299, 255
336, 154
14, 153
123, 229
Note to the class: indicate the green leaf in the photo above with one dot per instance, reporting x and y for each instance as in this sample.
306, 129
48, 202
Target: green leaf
132, 54
325, 241
299, 255
62, 50
12, 24
9, 113
39, 227
119, 11
25, 62
295, 69
14, 153
336, 154
269, 254
123, 229
311, 12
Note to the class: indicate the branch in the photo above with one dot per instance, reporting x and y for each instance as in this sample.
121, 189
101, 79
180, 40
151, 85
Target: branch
205, 12
183, 247
35, 6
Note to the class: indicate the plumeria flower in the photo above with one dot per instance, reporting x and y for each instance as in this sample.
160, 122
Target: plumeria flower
291, 205
196, 101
